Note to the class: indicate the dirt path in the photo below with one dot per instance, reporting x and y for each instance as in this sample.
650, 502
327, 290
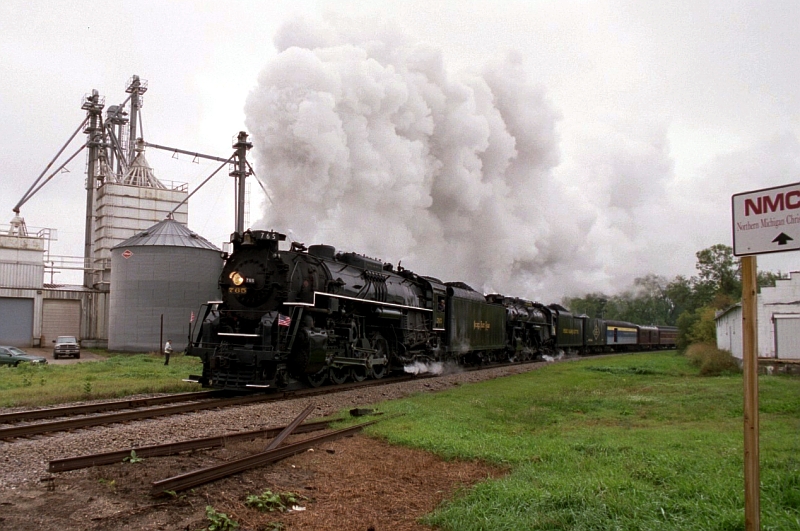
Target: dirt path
356, 483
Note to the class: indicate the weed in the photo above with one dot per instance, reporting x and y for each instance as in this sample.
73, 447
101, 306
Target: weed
219, 521
87, 387
711, 361
175, 496
133, 458
110, 483
269, 501
623, 370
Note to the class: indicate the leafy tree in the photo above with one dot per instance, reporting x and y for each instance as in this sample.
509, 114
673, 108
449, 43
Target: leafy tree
681, 297
719, 272
704, 328
593, 304
766, 279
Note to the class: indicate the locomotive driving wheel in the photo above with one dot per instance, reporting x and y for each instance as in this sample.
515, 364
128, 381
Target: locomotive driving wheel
358, 374
316, 380
381, 348
339, 375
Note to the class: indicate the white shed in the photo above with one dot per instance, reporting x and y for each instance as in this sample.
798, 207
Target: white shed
729, 330
778, 321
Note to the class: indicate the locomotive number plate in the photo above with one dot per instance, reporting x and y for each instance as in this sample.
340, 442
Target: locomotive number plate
237, 290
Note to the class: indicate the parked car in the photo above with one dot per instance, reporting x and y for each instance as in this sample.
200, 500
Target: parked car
14, 356
66, 346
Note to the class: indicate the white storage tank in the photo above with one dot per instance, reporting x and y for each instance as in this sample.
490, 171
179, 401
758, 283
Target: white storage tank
166, 270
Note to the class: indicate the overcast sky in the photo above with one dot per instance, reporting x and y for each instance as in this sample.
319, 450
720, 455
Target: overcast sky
535, 148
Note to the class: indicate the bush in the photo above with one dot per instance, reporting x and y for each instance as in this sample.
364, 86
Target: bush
711, 360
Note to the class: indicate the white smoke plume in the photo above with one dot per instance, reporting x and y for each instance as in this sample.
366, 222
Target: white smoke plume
434, 367
367, 142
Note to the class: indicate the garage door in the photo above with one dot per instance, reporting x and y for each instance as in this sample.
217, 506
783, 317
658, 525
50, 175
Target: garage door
60, 318
787, 336
16, 321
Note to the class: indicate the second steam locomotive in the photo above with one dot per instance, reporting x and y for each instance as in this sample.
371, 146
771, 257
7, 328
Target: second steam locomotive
306, 316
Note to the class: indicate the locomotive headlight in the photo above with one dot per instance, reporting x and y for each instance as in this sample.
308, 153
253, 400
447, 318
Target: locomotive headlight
236, 278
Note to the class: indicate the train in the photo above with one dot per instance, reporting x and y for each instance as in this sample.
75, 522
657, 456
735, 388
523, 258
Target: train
309, 316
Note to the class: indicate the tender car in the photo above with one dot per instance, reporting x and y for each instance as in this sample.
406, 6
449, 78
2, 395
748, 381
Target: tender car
14, 356
66, 346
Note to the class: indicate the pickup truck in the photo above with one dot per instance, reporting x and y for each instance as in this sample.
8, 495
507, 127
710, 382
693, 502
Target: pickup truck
66, 346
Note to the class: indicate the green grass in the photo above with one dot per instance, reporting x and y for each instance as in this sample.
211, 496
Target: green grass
636, 442
119, 375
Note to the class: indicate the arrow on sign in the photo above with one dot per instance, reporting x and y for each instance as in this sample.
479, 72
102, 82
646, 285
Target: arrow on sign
782, 239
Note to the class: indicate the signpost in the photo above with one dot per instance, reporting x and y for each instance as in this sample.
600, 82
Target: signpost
764, 221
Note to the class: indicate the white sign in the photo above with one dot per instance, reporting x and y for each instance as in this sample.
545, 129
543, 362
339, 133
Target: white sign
766, 221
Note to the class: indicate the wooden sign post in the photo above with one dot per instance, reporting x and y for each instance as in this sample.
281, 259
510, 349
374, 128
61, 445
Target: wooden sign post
752, 494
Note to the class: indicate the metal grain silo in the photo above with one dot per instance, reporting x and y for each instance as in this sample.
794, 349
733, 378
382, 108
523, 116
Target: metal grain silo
166, 270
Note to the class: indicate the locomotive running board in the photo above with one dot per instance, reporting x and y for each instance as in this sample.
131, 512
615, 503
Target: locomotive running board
367, 301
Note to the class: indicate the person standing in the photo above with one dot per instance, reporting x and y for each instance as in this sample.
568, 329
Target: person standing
167, 351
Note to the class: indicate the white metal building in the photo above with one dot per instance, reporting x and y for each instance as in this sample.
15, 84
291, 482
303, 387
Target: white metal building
778, 317
21, 279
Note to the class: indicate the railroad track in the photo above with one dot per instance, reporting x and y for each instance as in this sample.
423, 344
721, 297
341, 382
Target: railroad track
142, 408
28, 430
114, 405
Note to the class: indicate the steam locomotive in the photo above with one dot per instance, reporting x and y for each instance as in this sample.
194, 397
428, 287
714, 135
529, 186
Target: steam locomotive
306, 316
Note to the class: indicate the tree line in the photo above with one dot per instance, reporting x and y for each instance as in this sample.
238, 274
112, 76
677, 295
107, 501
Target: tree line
688, 303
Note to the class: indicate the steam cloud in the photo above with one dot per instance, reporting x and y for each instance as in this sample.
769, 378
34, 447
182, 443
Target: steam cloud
367, 142
434, 367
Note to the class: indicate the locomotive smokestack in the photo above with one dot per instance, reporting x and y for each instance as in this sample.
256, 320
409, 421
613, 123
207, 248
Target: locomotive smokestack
240, 174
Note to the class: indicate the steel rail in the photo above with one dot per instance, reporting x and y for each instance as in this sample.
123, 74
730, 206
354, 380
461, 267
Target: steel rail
116, 456
66, 411
60, 425
290, 428
205, 475
99, 420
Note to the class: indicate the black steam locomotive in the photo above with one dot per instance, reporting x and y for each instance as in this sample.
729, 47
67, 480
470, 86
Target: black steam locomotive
310, 315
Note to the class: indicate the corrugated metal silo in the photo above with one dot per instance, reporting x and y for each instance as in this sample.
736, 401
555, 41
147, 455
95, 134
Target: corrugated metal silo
165, 270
